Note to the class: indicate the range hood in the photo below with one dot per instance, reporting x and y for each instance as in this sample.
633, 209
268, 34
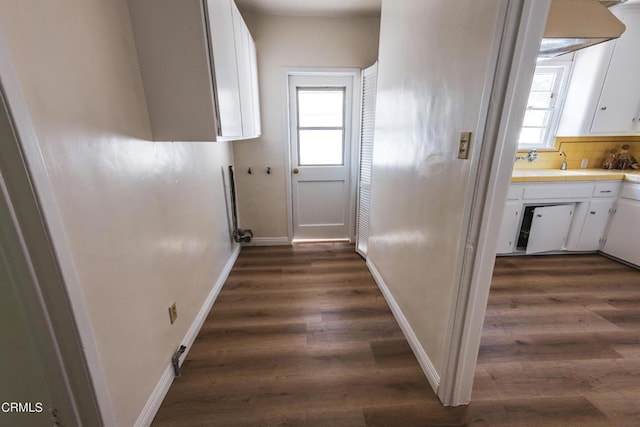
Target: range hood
575, 24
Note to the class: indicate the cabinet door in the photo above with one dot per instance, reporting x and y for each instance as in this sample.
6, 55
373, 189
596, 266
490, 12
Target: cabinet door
617, 109
225, 66
623, 237
509, 227
595, 224
253, 62
549, 228
242, 38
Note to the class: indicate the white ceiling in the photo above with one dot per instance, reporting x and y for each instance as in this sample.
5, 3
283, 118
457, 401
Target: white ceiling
311, 7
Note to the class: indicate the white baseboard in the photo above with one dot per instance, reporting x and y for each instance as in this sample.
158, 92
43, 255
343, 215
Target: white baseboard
424, 361
269, 241
155, 400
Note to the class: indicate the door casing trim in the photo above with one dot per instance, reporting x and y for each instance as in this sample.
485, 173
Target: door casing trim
356, 75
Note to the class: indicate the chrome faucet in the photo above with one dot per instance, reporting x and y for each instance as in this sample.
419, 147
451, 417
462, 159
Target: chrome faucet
530, 156
563, 166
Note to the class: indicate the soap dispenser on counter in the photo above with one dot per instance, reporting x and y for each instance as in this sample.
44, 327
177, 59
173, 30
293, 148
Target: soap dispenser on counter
563, 166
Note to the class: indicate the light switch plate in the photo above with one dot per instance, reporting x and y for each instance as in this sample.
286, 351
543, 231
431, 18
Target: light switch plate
173, 313
464, 145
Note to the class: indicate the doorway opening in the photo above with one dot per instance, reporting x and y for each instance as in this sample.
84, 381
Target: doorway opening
323, 117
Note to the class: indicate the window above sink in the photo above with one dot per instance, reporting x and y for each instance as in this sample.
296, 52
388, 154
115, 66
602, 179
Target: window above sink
546, 98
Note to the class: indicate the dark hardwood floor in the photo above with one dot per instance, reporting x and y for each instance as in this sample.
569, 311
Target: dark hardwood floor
302, 336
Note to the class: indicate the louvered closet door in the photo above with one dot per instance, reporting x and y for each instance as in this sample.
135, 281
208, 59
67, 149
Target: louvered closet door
369, 81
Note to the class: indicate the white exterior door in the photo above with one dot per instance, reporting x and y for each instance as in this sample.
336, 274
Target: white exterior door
320, 109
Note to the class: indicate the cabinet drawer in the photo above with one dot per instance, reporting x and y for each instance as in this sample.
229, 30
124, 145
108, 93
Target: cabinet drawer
630, 191
514, 193
606, 189
557, 191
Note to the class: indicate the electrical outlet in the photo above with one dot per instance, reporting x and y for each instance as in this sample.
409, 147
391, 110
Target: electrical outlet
584, 164
173, 313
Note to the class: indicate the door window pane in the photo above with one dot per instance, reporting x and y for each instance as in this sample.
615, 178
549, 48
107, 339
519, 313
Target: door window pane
320, 108
320, 147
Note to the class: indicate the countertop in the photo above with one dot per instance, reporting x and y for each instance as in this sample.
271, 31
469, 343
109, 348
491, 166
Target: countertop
556, 175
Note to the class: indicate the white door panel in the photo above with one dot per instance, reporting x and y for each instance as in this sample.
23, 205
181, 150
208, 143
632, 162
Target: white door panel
549, 228
318, 205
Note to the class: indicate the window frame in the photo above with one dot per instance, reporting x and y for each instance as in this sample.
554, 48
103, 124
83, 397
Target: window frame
564, 68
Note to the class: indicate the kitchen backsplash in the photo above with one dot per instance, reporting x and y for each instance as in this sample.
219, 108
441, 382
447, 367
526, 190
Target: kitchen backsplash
595, 149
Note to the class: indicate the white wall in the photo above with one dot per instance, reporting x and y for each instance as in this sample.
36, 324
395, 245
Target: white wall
433, 65
289, 41
145, 221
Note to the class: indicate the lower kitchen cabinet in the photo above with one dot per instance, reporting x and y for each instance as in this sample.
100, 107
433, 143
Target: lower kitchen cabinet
509, 227
549, 228
547, 217
623, 237
595, 225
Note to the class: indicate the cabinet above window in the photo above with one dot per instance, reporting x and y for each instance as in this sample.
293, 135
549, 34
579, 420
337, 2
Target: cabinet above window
198, 65
604, 91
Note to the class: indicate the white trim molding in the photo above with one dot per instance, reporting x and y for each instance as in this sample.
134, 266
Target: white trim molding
164, 383
423, 360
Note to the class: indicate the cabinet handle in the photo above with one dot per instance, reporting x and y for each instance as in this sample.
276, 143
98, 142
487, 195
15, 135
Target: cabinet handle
592, 212
603, 108
539, 215
605, 191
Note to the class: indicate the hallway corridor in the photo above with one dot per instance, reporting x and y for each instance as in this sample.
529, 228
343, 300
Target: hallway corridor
298, 336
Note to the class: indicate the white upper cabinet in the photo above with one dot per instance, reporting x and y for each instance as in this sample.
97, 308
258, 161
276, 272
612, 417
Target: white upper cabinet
196, 69
247, 75
227, 68
604, 91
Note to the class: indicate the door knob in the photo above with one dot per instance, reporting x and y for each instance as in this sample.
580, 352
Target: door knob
295, 171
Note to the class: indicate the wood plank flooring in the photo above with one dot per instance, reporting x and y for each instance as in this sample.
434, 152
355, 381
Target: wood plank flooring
302, 336
563, 328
